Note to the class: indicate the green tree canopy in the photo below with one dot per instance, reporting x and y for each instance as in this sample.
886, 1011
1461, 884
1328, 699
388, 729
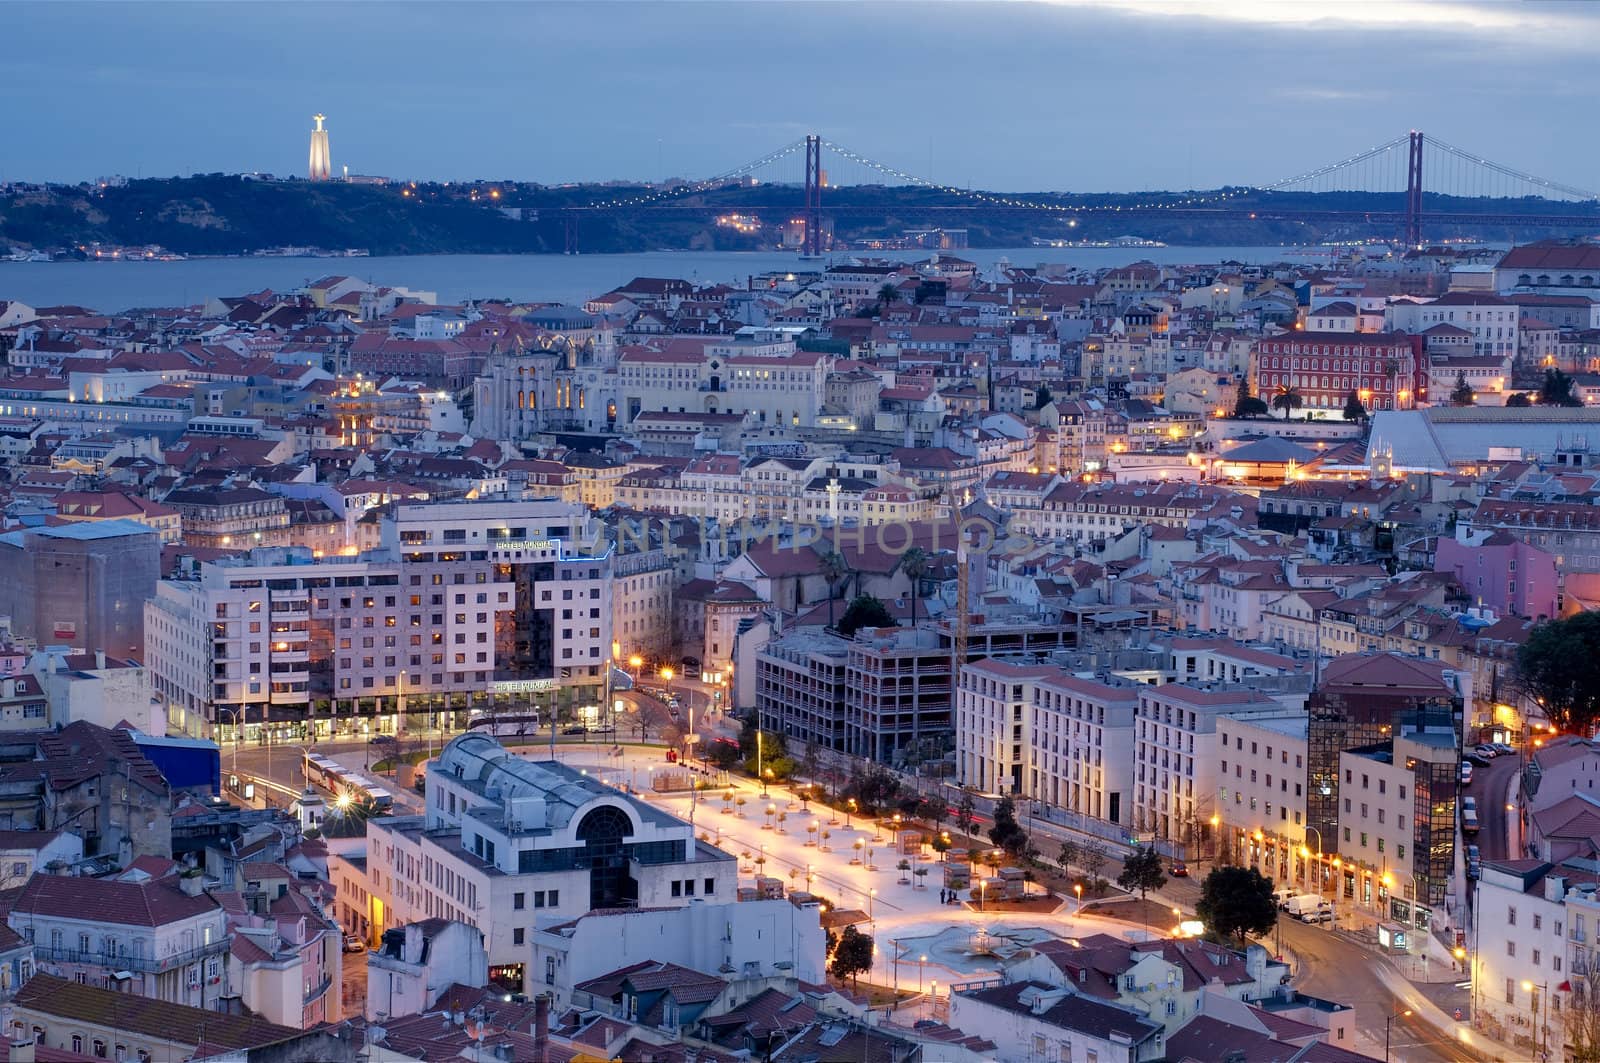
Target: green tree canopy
1236, 901
1247, 405
1518, 401
1556, 390
1142, 871
1007, 833
864, 611
1462, 394
1354, 409
1559, 666
852, 955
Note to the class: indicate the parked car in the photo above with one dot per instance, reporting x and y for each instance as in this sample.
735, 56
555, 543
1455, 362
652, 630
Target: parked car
1177, 870
1469, 821
352, 944
1503, 747
1477, 758
1466, 773
1486, 751
575, 729
1469, 804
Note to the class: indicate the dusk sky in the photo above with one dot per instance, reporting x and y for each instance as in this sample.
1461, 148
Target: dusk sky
1078, 96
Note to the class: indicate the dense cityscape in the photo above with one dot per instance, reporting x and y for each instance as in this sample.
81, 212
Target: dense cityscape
805, 616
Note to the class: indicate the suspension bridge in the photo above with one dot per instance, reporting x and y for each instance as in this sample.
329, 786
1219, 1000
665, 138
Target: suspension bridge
1400, 188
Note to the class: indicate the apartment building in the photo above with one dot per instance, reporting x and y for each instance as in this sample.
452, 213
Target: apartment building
1365, 700
1325, 368
993, 711
231, 517
800, 688
1533, 964
1490, 319
1261, 801
1080, 743
1397, 825
897, 685
163, 938
1177, 756
641, 602
508, 845
80, 584
494, 597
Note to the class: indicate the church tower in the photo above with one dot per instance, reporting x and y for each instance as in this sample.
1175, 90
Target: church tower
321, 160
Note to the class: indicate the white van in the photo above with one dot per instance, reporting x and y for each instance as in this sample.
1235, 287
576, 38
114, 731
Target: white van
1301, 903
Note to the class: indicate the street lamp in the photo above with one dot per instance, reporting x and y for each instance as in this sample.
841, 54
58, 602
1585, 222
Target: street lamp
1077, 887
1306, 855
1216, 824
1544, 998
666, 676
1388, 1021
851, 808
636, 662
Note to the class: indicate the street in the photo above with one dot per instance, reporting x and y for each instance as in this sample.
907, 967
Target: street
1489, 787
1337, 969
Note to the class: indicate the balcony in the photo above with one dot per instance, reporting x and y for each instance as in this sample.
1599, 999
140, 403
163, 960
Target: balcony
317, 990
125, 962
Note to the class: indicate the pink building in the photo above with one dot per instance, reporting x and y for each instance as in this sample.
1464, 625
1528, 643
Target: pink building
1501, 573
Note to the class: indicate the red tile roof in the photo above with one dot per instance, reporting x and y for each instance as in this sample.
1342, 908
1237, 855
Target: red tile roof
154, 903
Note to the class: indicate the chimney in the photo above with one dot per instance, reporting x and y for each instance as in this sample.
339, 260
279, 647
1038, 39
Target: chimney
23, 1051
100, 660
541, 1028
192, 884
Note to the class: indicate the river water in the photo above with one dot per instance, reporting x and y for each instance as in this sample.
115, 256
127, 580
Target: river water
114, 286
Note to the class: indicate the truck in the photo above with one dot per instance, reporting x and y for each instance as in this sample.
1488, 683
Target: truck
1301, 903
1309, 908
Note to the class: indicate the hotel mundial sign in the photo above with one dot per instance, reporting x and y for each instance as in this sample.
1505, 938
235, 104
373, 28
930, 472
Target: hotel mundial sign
525, 686
525, 544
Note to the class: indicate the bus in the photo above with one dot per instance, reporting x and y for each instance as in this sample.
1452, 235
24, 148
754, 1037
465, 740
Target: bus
506, 725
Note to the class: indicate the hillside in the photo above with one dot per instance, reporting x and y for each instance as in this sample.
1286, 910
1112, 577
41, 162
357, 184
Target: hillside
219, 214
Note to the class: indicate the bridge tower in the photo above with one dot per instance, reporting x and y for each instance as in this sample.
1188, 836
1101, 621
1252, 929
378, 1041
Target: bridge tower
1414, 192
812, 247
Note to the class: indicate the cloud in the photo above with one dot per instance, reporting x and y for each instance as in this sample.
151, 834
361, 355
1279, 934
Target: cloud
1328, 94
1566, 25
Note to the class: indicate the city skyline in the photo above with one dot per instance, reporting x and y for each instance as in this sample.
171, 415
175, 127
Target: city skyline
1319, 83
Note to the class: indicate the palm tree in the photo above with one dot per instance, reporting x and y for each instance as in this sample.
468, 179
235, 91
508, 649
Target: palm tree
914, 563
886, 295
834, 569
1288, 400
